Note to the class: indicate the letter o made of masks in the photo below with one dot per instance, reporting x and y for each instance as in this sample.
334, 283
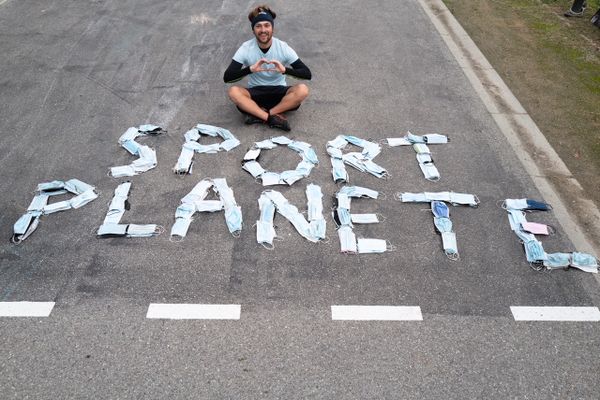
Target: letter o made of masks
289, 177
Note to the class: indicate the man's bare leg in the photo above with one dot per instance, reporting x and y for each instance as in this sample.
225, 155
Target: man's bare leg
292, 99
241, 98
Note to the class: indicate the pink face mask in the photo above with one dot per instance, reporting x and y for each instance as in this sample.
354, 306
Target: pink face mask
535, 228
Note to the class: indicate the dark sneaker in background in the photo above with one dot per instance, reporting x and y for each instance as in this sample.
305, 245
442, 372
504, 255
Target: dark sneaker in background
251, 119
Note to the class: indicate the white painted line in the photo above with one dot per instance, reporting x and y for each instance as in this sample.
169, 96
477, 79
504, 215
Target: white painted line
25, 308
194, 311
556, 313
376, 313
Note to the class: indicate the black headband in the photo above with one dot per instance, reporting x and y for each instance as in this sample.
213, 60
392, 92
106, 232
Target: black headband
262, 16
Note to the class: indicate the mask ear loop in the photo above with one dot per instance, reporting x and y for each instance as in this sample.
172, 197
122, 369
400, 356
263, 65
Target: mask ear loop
237, 234
453, 256
325, 240
390, 246
434, 179
16, 239
398, 196
159, 230
551, 230
380, 218
536, 266
182, 238
268, 246
381, 196
501, 204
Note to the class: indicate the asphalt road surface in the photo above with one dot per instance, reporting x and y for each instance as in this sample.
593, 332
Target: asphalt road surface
75, 75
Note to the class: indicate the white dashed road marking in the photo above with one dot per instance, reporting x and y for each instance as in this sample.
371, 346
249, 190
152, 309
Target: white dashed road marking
376, 313
194, 311
25, 308
556, 313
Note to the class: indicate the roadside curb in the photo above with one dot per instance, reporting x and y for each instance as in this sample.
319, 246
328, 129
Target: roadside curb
579, 216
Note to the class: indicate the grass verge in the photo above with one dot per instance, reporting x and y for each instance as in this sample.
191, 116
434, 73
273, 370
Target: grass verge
552, 64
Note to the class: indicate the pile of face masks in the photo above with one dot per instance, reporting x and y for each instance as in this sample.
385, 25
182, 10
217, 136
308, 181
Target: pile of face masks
271, 200
195, 201
191, 145
362, 161
419, 144
111, 226
39, 206
345, 222
309, 161
534, 250
147, 156
441, 213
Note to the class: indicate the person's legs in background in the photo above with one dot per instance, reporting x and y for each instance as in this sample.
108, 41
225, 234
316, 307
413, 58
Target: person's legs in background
576, 9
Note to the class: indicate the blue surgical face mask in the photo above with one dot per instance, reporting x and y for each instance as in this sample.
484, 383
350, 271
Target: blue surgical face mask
347, 240
583, 260
180, 227
449, 245
557, 260
142, 231
440, 209
338, 171
534, 251
265, 232
443, 224
233, 218
344, 216
23, 223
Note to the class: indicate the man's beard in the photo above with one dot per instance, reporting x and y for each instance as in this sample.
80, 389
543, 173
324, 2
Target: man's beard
264, 39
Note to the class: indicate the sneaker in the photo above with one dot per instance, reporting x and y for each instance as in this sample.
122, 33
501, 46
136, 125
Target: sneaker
278, 121
251, 119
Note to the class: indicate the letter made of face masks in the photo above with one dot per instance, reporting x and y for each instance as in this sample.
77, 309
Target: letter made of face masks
362, 161
535, 254
345, 222
421, 148
195, 201
111, 227
313, 229
191, 145
39, 206
307, 163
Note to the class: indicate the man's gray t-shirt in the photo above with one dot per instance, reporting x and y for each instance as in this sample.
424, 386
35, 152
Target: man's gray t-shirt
249, 53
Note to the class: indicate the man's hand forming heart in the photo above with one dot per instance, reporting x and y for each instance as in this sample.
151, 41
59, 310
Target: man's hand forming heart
264, 65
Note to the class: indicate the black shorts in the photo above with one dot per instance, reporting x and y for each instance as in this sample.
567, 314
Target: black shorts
268, 96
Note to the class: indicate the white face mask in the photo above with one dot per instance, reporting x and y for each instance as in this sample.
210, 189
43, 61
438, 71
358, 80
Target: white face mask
364, 218
347, 240
369, 246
